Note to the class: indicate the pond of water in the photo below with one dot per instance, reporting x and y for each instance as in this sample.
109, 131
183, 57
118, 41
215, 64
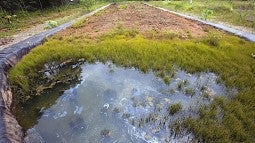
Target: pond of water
118, 105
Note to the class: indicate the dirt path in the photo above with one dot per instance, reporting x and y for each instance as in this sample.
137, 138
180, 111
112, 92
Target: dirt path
140, 17
6, 42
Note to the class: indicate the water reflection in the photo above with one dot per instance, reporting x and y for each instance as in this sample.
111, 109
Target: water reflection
113, 104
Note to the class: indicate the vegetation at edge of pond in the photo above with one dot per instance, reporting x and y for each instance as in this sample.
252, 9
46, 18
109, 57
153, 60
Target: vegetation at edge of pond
225, 120
63, 78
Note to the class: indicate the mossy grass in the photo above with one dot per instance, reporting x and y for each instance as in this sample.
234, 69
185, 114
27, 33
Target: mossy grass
230, 59
222, 121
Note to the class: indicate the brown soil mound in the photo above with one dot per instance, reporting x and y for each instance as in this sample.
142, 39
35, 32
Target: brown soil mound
140, 17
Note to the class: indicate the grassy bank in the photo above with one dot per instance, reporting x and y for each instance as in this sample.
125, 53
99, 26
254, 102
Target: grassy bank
234, 12
228, 56
11, 24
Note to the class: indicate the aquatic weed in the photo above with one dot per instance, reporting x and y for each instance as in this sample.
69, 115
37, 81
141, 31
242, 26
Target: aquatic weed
174, 108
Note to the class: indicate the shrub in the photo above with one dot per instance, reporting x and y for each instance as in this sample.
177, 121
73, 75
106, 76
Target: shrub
50, 24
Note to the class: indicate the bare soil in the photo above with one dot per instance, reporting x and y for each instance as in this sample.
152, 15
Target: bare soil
140, 17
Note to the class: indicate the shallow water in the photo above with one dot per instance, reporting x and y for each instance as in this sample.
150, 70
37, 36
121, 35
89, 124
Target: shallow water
113, 104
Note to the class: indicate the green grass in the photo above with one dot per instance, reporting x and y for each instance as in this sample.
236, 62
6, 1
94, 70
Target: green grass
24, 20
224, 121
234, 12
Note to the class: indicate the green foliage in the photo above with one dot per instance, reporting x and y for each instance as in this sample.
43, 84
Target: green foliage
30, 5
12, 6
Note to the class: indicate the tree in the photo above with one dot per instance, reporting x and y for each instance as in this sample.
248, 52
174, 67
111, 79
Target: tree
30, 5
